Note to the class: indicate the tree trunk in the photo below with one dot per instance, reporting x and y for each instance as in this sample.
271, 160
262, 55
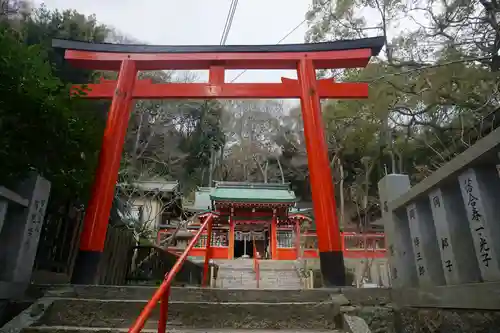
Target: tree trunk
211, 168
265, 171
281, 170
342, 198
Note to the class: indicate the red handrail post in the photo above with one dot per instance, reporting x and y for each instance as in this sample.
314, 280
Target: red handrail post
208, 248
256, 267
162, 323
257, 273
138, 325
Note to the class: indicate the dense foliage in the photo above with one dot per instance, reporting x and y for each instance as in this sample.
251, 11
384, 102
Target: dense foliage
433, 89
47, 131
43, 129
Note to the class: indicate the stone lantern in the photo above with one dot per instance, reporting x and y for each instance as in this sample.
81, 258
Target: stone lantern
182, 238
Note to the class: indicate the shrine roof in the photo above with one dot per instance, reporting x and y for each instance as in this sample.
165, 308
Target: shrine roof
373, 43
253, 192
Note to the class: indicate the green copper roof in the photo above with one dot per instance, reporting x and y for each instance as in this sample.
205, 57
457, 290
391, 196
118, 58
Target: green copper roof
253, 192
304, 211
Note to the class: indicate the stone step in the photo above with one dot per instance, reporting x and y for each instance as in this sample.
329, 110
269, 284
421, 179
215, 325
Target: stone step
274, 274
230, 278
122, 313
282, 265
190, 294
62, 329
235, 264
280, 279
230, 283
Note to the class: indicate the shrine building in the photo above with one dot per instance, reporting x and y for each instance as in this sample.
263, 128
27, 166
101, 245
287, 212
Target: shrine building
254, 219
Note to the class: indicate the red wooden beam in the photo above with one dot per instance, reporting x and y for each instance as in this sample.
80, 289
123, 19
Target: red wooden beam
289, 88
250, 214
356, 58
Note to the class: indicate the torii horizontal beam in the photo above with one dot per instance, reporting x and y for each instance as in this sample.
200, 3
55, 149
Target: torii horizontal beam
328, 55
289, 88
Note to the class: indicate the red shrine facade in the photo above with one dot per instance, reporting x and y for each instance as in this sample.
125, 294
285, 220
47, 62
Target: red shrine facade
259, 220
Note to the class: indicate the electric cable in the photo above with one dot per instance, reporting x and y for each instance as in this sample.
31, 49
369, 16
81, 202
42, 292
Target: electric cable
279, 42
229, 21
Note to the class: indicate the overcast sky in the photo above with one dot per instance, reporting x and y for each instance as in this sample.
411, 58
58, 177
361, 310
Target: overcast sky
194, 22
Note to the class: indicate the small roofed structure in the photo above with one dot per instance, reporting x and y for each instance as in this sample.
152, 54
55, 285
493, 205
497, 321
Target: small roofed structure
155, 201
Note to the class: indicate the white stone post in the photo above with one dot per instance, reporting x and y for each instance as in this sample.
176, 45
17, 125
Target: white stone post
480, 190
397, 234
458, 257
425, 245
20, 236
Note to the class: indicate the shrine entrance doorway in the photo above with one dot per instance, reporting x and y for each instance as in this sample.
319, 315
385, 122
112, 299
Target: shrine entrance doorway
243, 248
247, 243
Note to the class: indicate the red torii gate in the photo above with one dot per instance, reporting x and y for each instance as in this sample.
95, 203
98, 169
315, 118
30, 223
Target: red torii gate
305, 58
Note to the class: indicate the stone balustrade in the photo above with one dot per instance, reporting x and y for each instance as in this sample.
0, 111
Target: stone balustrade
445, 229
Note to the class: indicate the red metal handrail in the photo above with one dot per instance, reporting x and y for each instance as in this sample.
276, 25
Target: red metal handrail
163, 292
256, 265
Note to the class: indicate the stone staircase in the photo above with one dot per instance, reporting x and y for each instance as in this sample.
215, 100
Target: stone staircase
279, 274
103, 309
274, 274
236, 274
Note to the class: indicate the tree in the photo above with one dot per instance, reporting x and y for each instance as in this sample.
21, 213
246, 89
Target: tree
432, 90
43, 129
39, 119
43, 25
251, 153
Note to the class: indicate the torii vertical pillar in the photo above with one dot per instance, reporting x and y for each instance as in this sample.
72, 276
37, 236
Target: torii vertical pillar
330, 249
96, 220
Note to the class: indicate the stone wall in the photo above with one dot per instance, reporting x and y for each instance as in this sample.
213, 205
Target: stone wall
446, 309
376, 270
415, 320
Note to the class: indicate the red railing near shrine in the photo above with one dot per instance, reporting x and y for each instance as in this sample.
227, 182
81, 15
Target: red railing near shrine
256, 266
369, 245
163, 292
354, 245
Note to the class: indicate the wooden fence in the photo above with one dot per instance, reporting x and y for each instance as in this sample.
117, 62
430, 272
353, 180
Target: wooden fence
150, 264
115, 262
59, 245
